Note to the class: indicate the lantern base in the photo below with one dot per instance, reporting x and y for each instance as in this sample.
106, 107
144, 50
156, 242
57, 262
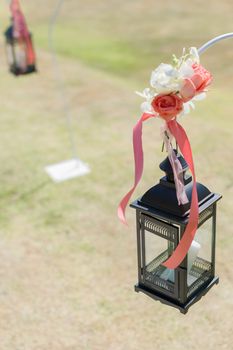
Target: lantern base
67, 170
15, 70
170, 302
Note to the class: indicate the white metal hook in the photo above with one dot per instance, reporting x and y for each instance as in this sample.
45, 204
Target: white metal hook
74, 167
59, 77
213, 41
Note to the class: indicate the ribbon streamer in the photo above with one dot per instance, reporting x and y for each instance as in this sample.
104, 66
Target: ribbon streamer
20, 29
182, 249
138, 164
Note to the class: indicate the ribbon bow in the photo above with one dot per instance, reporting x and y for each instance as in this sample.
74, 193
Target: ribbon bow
172, 128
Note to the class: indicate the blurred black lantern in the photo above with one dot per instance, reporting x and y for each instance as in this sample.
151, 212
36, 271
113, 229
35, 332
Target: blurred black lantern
161, 223
20, 53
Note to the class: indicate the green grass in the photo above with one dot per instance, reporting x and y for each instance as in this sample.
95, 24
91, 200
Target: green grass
100, 52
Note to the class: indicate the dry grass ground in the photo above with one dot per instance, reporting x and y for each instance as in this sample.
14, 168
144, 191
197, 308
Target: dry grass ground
67, 265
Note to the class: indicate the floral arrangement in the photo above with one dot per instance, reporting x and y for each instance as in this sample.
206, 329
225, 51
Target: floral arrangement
175, 87
174, 90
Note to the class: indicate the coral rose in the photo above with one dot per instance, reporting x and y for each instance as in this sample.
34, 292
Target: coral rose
197, 83
201, 78
167, 106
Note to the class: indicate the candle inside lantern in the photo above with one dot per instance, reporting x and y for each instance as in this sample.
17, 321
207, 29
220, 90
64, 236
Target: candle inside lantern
169, 275
192, 254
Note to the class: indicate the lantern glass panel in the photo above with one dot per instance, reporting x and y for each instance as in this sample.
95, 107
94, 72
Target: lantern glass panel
20, 55
157, 251
200, 255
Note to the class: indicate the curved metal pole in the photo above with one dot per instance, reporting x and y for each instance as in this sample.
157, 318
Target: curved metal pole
213, 41
57, 71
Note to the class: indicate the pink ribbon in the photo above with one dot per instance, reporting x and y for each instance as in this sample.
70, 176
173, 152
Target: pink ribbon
178, 132
138, 164
176, 167
20, 29
182, 249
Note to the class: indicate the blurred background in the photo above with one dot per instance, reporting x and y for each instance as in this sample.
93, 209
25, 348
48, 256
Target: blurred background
68, 266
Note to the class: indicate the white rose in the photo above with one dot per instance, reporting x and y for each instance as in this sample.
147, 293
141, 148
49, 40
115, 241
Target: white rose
165, 78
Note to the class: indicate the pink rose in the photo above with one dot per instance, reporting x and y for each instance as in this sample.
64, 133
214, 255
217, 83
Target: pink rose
197, 83
167, 106
201, 78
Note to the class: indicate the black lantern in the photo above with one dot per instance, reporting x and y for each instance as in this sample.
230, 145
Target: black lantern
20, 53
161, 223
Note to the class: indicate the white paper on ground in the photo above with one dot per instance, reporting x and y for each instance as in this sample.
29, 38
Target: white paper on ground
67, 170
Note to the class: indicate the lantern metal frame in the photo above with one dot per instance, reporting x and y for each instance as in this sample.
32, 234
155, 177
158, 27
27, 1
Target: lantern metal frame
158, 212
171, 228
